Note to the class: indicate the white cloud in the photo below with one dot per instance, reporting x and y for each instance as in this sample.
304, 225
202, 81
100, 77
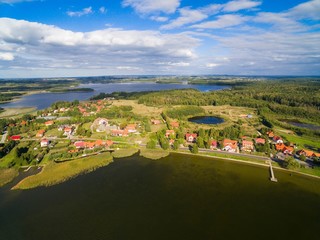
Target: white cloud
5, 56
234, 6
159, 18
223, 21
151, 6
41, 46
102, 10
212, 65
307, 10
85, 11
187, 16
15, 1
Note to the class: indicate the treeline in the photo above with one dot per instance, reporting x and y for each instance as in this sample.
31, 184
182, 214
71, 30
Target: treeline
8, 96
181, 112
120, 95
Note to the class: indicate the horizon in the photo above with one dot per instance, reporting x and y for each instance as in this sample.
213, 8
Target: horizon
262, 38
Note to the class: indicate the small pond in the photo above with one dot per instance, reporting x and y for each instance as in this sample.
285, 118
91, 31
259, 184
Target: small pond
304, 125
206, 120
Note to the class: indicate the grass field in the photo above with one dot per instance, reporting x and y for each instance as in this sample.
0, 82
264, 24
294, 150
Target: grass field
16, 112
6, 160
140, 109
153, 153
7, 175
302, 142
54, 173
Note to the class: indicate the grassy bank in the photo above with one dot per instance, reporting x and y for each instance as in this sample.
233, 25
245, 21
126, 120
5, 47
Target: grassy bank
121, 153
153, 153
55, 173
7, 175
16, 112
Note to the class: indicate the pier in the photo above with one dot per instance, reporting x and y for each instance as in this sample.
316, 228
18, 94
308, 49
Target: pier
272, 178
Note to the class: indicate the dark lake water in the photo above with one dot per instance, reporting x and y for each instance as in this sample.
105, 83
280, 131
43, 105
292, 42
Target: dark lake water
206, 120
178, 197
44, 100
305, 125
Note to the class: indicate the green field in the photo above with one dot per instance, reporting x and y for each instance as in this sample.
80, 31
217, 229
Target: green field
7, 175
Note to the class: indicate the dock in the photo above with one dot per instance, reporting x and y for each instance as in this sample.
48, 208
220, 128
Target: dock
272, 178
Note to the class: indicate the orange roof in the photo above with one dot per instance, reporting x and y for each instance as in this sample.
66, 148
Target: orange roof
89, 144
174, 124
99, 142
280, 147
246, 142
308, 153
230, 142
41, 131
289, 149
109, 142
49, 123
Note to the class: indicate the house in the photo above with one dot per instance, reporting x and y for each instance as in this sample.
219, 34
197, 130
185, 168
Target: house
67, 131
270, 134
44, 142
40, 133
15, 138
213, 144
90, 145
155, 121
247, 146
191, 137
119, 132
170, 133
79, 144
229, 145
131, 128
109, 143
288, 150
23, 123
277, 139
306, 153
280, 147
49, 123
261, 141
174, 124
171, 142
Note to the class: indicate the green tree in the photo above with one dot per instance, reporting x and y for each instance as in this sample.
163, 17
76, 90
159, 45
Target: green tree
151, 144
194, 149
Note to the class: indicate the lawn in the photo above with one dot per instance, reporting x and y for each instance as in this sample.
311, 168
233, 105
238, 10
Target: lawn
54, 173
302, 142
124, 152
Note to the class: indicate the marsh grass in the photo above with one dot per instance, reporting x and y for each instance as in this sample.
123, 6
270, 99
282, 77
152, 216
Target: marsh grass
7, 175
54, 173
153, 153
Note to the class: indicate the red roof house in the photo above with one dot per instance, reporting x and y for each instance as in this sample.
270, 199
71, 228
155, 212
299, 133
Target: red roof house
169, 133
260, 141
191, 137
174, 124
79, 144
15, 138
247, 146
229, 145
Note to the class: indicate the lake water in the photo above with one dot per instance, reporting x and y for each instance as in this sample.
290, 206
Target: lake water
178, 197
44, 100
305, 125
206, 120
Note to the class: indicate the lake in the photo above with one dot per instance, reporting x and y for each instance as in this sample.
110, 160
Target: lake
305, 125
44, 100
178, 197
206, 120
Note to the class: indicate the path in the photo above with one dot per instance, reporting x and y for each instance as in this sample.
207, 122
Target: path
4, 137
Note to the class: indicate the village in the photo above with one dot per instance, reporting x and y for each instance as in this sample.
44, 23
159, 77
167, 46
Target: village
68, 131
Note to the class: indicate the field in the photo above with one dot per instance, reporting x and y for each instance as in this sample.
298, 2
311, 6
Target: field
124, 152
16, 112
54, 173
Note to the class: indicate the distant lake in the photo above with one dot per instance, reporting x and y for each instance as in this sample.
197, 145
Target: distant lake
44, 100
206, 120
180, 197
305, 125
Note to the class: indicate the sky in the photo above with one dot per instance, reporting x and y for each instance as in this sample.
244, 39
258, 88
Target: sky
68, 38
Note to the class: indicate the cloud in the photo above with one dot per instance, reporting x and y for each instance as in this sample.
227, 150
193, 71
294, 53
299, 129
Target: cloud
152, 6
102, 10
15, 1
234, 6
5, 56
41, 46
159, 18
212, 65
223, 21
307, 10
85, 11
187, 16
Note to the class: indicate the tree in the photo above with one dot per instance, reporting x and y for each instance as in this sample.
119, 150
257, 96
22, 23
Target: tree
303, 157
176, 145
151, 144
194, 149
200, 142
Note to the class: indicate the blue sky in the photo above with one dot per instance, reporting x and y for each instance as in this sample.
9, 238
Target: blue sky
53, 38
